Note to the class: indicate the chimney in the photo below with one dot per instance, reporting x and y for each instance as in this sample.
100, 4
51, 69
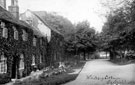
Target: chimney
3, 3
14, 8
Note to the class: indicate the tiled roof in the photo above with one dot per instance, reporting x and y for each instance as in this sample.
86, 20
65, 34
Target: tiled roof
6, 15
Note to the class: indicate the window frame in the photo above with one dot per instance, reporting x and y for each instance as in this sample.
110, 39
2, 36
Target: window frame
41, 42
4, 30
3, 64
24, 35
16, 34
34, 41
21, 62
41, 58
33, 60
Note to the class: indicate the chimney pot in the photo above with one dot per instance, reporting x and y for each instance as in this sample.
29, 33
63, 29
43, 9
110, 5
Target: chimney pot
3, 3
14, 9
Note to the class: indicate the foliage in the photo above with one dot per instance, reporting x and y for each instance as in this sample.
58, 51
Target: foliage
4, 78
54, 80
58, 22
118, 32
82, 40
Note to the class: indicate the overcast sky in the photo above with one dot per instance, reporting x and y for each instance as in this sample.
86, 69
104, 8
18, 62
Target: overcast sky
74, 10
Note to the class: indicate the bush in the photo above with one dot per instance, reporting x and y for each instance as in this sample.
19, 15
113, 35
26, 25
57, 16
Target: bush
56, 65
59, 79
52, 80
4, 78
41, 66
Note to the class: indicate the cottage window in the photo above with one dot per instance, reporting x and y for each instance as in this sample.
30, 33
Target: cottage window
2, 24
15, 33
33, 60
34, 41
41, 41
1, 28
40, 58
61, 43
4, 30
21, 66
24, 35
3, 64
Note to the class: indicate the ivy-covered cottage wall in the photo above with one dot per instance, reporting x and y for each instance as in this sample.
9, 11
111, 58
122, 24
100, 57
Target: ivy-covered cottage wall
13, 48
19, 47
43, 52
55, 48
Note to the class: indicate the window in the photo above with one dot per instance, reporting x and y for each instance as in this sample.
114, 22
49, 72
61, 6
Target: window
21, 66
33, 60
24, 35
15, 33
41, 42
34, 41
61, 43
4, 30
40, 58
2, 24
3, 64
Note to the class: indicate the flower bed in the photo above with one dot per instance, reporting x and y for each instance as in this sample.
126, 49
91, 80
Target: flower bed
51, 80
51, 76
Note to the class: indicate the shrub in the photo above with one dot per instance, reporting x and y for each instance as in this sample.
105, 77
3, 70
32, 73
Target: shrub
41, 66
60, 79
52, 80
4, 78
56, 65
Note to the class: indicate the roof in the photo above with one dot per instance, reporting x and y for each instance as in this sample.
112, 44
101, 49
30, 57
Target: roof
36, 31
41, 16
6, 15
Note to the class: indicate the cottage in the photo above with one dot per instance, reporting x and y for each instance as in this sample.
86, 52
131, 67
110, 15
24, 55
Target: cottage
55, 39
25, 43
21, 46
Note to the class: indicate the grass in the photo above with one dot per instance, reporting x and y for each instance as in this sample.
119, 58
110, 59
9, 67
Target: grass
122, 61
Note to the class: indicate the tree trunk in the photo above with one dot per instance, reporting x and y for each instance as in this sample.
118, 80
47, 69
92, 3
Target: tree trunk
112, 54
88, 55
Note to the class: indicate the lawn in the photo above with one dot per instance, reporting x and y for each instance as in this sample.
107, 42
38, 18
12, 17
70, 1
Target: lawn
122, 61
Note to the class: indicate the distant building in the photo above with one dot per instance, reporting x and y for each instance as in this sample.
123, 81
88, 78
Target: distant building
104, 54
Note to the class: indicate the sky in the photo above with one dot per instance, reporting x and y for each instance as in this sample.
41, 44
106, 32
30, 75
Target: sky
74, 10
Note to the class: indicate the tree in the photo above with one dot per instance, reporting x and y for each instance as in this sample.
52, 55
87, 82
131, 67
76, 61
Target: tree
118, 31
60, 23
82, 41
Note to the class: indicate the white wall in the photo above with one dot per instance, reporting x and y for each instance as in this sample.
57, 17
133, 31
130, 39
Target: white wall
44, 29
37, 23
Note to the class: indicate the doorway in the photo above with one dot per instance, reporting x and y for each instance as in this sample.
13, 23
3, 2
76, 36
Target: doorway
15, 67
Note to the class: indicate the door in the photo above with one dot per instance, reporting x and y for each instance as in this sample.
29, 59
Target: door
14, 67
